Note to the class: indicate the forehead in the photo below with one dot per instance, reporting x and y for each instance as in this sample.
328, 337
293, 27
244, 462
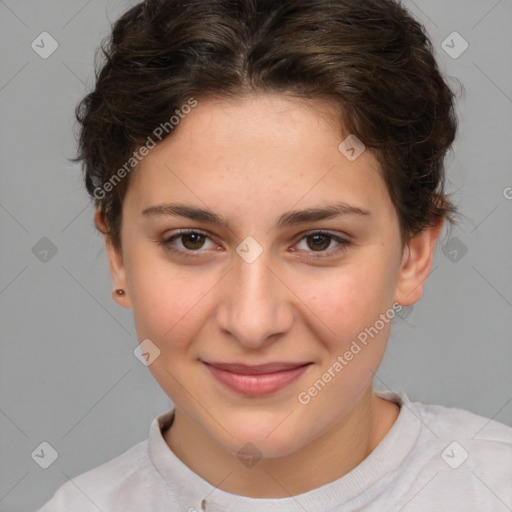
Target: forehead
265, 152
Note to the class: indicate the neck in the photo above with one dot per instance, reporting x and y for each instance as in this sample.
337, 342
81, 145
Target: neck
325, 459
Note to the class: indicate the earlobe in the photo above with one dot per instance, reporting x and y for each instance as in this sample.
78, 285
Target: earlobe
116, 264
416, 264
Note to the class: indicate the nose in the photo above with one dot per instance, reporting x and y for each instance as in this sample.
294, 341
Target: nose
255, 305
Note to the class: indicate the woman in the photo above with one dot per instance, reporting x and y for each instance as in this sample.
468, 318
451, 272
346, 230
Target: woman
268, 178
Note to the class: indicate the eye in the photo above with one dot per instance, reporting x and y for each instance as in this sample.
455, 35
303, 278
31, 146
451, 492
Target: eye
319, 241
192, 241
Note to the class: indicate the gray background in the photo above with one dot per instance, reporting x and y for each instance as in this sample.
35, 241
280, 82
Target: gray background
68, 373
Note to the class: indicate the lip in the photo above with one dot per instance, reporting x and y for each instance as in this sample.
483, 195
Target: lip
256, 380
255, 369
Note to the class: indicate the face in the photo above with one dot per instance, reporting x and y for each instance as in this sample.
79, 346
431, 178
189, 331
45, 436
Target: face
263, 286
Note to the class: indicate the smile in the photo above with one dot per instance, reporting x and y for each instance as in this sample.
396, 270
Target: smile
256, 380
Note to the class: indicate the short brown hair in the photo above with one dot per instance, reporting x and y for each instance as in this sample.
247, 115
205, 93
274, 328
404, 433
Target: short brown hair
370, 57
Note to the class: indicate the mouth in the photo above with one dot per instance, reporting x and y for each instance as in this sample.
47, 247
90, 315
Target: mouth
256, 380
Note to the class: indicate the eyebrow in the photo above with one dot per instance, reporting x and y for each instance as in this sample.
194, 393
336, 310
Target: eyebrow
288, 219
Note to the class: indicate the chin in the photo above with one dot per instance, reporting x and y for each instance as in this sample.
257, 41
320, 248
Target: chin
259, 444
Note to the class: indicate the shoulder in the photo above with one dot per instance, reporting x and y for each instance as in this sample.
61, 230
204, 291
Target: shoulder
445, 421
94, 489
460, 456
120, 484
485, 436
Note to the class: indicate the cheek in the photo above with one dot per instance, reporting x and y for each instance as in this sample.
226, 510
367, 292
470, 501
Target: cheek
349, 298
168, 302
349, 304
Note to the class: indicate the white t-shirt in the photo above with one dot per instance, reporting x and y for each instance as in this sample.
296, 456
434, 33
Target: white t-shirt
433, 459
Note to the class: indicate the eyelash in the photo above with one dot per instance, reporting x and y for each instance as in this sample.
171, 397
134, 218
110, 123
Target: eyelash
166, 243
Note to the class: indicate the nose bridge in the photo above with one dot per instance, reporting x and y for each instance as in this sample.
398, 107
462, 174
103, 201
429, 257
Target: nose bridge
254, 303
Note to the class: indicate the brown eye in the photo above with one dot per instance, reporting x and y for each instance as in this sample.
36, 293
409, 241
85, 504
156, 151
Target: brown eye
319, 241
193, 241
186, 243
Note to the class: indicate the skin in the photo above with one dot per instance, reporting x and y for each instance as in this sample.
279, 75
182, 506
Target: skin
251, 160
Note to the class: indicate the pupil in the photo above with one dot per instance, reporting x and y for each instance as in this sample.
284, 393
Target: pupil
196, 240
318, 239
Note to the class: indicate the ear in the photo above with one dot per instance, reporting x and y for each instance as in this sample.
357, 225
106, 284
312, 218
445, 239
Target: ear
416, 264
116, 263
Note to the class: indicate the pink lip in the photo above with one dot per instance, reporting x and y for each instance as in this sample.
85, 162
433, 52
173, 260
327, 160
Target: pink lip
257, 380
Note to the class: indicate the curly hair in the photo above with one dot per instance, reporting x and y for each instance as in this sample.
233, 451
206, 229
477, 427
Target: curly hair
370, 57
